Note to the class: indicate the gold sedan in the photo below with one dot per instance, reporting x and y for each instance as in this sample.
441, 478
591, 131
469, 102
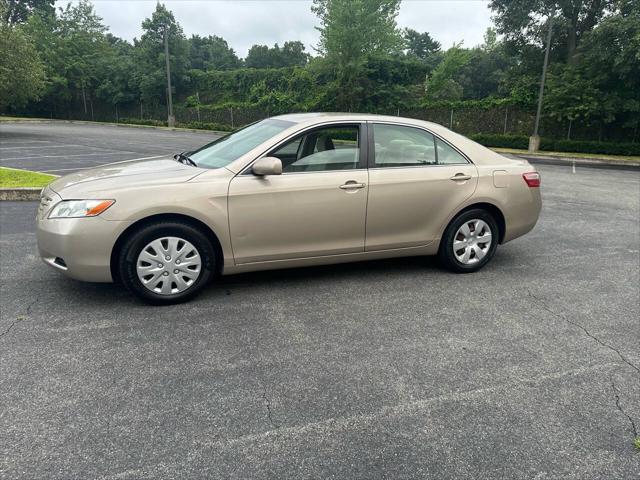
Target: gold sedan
288, 191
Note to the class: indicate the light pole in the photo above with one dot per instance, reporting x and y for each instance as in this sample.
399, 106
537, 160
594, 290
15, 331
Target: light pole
171, 120
534, 140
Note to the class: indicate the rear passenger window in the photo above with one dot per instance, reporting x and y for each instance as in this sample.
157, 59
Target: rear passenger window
400, 146
447, 155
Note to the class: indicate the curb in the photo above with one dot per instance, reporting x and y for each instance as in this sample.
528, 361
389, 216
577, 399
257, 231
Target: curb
20, 194
112, 124
581, 162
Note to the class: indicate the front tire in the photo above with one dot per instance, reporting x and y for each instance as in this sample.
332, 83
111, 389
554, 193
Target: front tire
469, 241
167, 262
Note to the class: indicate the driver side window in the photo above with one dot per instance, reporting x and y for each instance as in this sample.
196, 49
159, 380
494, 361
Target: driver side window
335, 147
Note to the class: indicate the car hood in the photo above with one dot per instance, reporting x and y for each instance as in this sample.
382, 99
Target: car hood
124, 175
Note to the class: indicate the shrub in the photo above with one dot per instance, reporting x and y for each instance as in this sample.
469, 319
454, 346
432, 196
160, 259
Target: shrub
222, 127
501, 141
143, 121
521, 142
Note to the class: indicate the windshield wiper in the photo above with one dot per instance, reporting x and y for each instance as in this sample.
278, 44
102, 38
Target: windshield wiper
184, 158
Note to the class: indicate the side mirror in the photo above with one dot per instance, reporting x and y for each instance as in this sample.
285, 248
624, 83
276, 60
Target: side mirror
267, 166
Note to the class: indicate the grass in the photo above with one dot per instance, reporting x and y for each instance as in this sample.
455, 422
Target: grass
586, 156
636, 442
13, 178
22, 119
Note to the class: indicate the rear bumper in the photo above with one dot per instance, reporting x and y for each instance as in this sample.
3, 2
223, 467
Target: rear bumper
79, 247
523, 214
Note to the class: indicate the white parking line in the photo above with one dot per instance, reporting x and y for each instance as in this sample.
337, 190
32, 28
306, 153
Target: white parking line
42, 146
104, 164
66, 156
18, 142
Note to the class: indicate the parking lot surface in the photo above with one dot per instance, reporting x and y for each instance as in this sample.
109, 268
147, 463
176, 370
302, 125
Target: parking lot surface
61, 148
388, 369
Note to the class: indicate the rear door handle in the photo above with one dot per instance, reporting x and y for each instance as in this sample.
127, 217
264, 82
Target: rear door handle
459, 177
352, 184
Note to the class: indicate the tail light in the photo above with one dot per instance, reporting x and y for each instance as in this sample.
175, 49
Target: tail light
532, 179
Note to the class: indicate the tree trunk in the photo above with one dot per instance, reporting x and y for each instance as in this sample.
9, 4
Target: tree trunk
84, 99
571, 43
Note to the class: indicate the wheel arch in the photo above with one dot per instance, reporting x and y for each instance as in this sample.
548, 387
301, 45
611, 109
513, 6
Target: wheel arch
164, 217
489, 207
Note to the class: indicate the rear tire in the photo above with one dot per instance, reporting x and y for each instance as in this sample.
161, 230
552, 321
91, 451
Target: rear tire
167, 262
469, 241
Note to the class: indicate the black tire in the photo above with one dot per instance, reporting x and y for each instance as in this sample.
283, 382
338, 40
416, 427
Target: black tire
446, 255
141, 238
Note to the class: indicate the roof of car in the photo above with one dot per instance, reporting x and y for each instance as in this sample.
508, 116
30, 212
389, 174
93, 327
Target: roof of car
320, 116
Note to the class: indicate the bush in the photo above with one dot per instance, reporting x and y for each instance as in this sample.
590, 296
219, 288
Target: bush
222, 127
143, 121
501, 141
521, 142
583, 146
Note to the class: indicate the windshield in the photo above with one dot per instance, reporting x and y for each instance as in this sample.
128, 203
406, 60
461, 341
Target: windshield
225, 150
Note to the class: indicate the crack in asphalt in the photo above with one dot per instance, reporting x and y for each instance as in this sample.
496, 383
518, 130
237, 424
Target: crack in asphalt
267, 403
619, 407
589, 334
19, 319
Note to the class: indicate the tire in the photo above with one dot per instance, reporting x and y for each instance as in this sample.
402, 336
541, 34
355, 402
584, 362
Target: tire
183, 264
476, 252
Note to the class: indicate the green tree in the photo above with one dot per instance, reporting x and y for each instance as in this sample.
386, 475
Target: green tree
420, 45
524, 21
442, 85
212, 53
21, 71
18, 11
350, 31
290, 55
150, 73
84, 47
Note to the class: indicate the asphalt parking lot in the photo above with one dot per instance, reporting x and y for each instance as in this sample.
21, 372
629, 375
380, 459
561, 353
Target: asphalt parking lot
393, 369
61, 148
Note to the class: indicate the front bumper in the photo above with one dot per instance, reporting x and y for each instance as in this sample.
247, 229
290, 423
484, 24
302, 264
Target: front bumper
78, 247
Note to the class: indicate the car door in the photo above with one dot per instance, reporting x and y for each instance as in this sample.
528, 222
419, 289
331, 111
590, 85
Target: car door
415, 181
316, 207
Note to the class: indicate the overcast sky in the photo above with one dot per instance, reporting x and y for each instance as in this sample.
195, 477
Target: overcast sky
243, 23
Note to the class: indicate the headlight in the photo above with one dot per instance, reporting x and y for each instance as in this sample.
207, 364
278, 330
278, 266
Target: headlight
80, 208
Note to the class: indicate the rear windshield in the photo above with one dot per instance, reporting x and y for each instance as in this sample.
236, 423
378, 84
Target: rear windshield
225, 150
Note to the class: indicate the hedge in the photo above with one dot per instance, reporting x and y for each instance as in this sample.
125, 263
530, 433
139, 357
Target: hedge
521, 142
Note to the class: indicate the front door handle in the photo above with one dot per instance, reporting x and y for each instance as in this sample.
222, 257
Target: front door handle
459, 177
352, 184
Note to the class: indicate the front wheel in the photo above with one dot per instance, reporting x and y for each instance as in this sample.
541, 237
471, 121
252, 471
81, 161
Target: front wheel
167, 262
469, 242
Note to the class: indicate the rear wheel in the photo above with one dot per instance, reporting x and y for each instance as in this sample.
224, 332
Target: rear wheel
469, 242
167, 262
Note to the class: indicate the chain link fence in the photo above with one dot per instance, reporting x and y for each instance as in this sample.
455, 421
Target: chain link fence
506, 120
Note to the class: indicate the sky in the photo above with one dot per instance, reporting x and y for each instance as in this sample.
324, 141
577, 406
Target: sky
243, 23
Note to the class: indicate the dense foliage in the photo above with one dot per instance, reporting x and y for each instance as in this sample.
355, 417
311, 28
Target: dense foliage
64, 63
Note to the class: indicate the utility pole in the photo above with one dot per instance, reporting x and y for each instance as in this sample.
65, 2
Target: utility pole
171, 120
534, 140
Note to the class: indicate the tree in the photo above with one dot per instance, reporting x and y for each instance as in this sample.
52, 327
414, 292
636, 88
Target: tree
84, 46
150, 59
21, 71
350, 31
442, 84
212, 53
290, 55
18, 11
420, 45
524, 20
